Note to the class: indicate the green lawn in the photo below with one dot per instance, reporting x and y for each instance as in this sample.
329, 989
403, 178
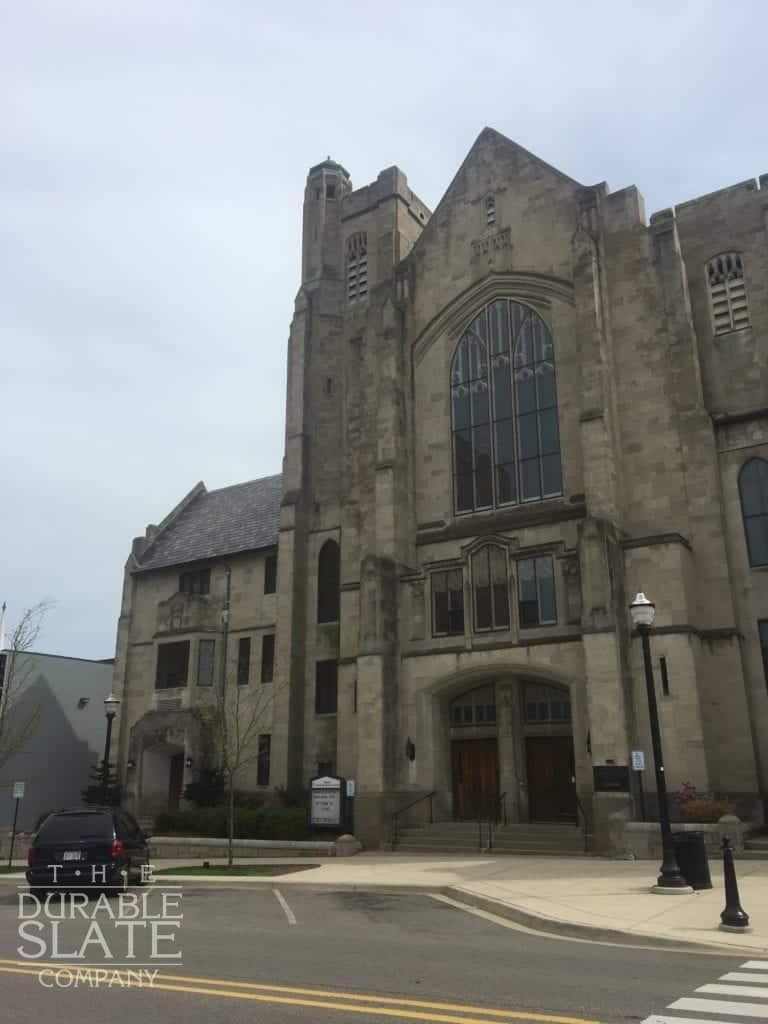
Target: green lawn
237, 869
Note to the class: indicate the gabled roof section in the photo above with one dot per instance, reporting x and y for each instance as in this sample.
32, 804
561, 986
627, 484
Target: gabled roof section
212, 524
487, 137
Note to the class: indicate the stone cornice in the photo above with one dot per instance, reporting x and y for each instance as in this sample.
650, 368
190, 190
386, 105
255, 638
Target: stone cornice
496, 521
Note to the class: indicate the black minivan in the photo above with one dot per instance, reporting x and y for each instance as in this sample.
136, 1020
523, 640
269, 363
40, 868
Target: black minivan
87, 847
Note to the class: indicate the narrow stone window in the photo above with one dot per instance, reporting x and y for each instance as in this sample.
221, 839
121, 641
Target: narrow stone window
490, 588
727, 295
490, 211
447, 603
264, 755
328, 573
268, 658
763, 629
330, 191
243, 661
270, 574
205, 662
664, 675
753, 490
326, 687
536, 592
357, 268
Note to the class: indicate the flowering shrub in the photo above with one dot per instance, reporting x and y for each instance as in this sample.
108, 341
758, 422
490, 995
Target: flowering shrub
703, 807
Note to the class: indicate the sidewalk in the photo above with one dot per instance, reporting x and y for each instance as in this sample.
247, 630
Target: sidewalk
570, 896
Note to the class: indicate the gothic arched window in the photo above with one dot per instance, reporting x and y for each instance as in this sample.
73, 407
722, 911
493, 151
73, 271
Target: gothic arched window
490, 588
753, 488
506, 443
328, 579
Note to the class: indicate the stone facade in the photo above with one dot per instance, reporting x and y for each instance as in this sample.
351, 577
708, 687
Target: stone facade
657, 410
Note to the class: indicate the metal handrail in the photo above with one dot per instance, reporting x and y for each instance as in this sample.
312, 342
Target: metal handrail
394, 828
493, 818
580, 810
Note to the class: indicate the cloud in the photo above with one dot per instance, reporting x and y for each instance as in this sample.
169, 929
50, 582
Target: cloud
154, 158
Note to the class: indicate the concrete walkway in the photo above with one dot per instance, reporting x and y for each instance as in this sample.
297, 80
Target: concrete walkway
571, 896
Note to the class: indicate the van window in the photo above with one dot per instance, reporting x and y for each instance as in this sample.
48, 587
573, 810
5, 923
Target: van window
63, 828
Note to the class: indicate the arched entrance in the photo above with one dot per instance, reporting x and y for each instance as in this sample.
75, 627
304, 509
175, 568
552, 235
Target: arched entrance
511, 745
166, 750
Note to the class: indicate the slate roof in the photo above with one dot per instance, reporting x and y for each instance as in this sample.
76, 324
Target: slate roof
243, 517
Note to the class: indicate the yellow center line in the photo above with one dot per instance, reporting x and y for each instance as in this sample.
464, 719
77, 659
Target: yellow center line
328, 999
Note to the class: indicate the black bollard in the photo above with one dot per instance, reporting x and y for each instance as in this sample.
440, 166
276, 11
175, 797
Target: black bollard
733, 917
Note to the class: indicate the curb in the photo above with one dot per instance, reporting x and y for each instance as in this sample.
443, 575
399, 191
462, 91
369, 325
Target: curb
592, 933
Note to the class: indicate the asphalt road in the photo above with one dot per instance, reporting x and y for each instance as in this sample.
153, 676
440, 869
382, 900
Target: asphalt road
323, 956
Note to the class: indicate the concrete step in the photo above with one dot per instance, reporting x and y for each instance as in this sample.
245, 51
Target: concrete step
544, 851
572, 838
464, 837
565, 838
457, 827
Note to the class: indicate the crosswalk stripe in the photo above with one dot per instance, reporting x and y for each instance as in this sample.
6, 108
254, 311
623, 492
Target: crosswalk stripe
755, 965
747, 977
663, 1018
728, 1008
735, 990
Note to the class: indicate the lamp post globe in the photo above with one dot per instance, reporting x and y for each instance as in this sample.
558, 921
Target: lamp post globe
643, 613
111, 704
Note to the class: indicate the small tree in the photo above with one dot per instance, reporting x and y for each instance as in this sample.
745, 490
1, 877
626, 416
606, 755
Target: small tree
19, 716
104, 792
240, 716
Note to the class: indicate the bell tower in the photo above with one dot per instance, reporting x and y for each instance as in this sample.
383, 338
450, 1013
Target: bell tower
327, 184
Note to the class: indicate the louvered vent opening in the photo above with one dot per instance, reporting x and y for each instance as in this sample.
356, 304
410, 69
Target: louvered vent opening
357, 268
727, 293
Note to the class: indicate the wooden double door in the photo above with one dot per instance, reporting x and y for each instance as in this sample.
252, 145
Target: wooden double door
475, 767
551, 789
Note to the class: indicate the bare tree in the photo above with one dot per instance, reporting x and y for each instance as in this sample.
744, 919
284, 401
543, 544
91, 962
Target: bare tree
18, 716
242, 716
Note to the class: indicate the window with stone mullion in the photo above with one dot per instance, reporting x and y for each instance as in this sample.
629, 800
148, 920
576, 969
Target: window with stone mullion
472, 421
447, 603
491, 592
536, 409
536, 592
504, 410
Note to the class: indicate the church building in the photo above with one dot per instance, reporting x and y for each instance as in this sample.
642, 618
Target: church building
504, 418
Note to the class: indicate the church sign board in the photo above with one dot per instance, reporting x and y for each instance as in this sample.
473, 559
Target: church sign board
326, 806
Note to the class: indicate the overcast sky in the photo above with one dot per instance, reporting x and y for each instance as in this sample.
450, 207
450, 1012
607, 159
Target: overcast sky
153, 163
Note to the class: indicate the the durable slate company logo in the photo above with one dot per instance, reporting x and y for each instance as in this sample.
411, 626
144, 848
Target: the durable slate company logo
101, 938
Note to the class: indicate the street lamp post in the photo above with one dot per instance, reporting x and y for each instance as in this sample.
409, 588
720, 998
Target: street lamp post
111, 704
643, 613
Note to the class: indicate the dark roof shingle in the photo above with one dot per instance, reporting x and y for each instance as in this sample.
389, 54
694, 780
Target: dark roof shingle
243, 517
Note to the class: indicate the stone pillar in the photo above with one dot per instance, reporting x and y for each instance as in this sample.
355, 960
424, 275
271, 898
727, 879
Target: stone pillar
507, 715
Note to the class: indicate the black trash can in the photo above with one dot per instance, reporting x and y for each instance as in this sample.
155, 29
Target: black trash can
691, 854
